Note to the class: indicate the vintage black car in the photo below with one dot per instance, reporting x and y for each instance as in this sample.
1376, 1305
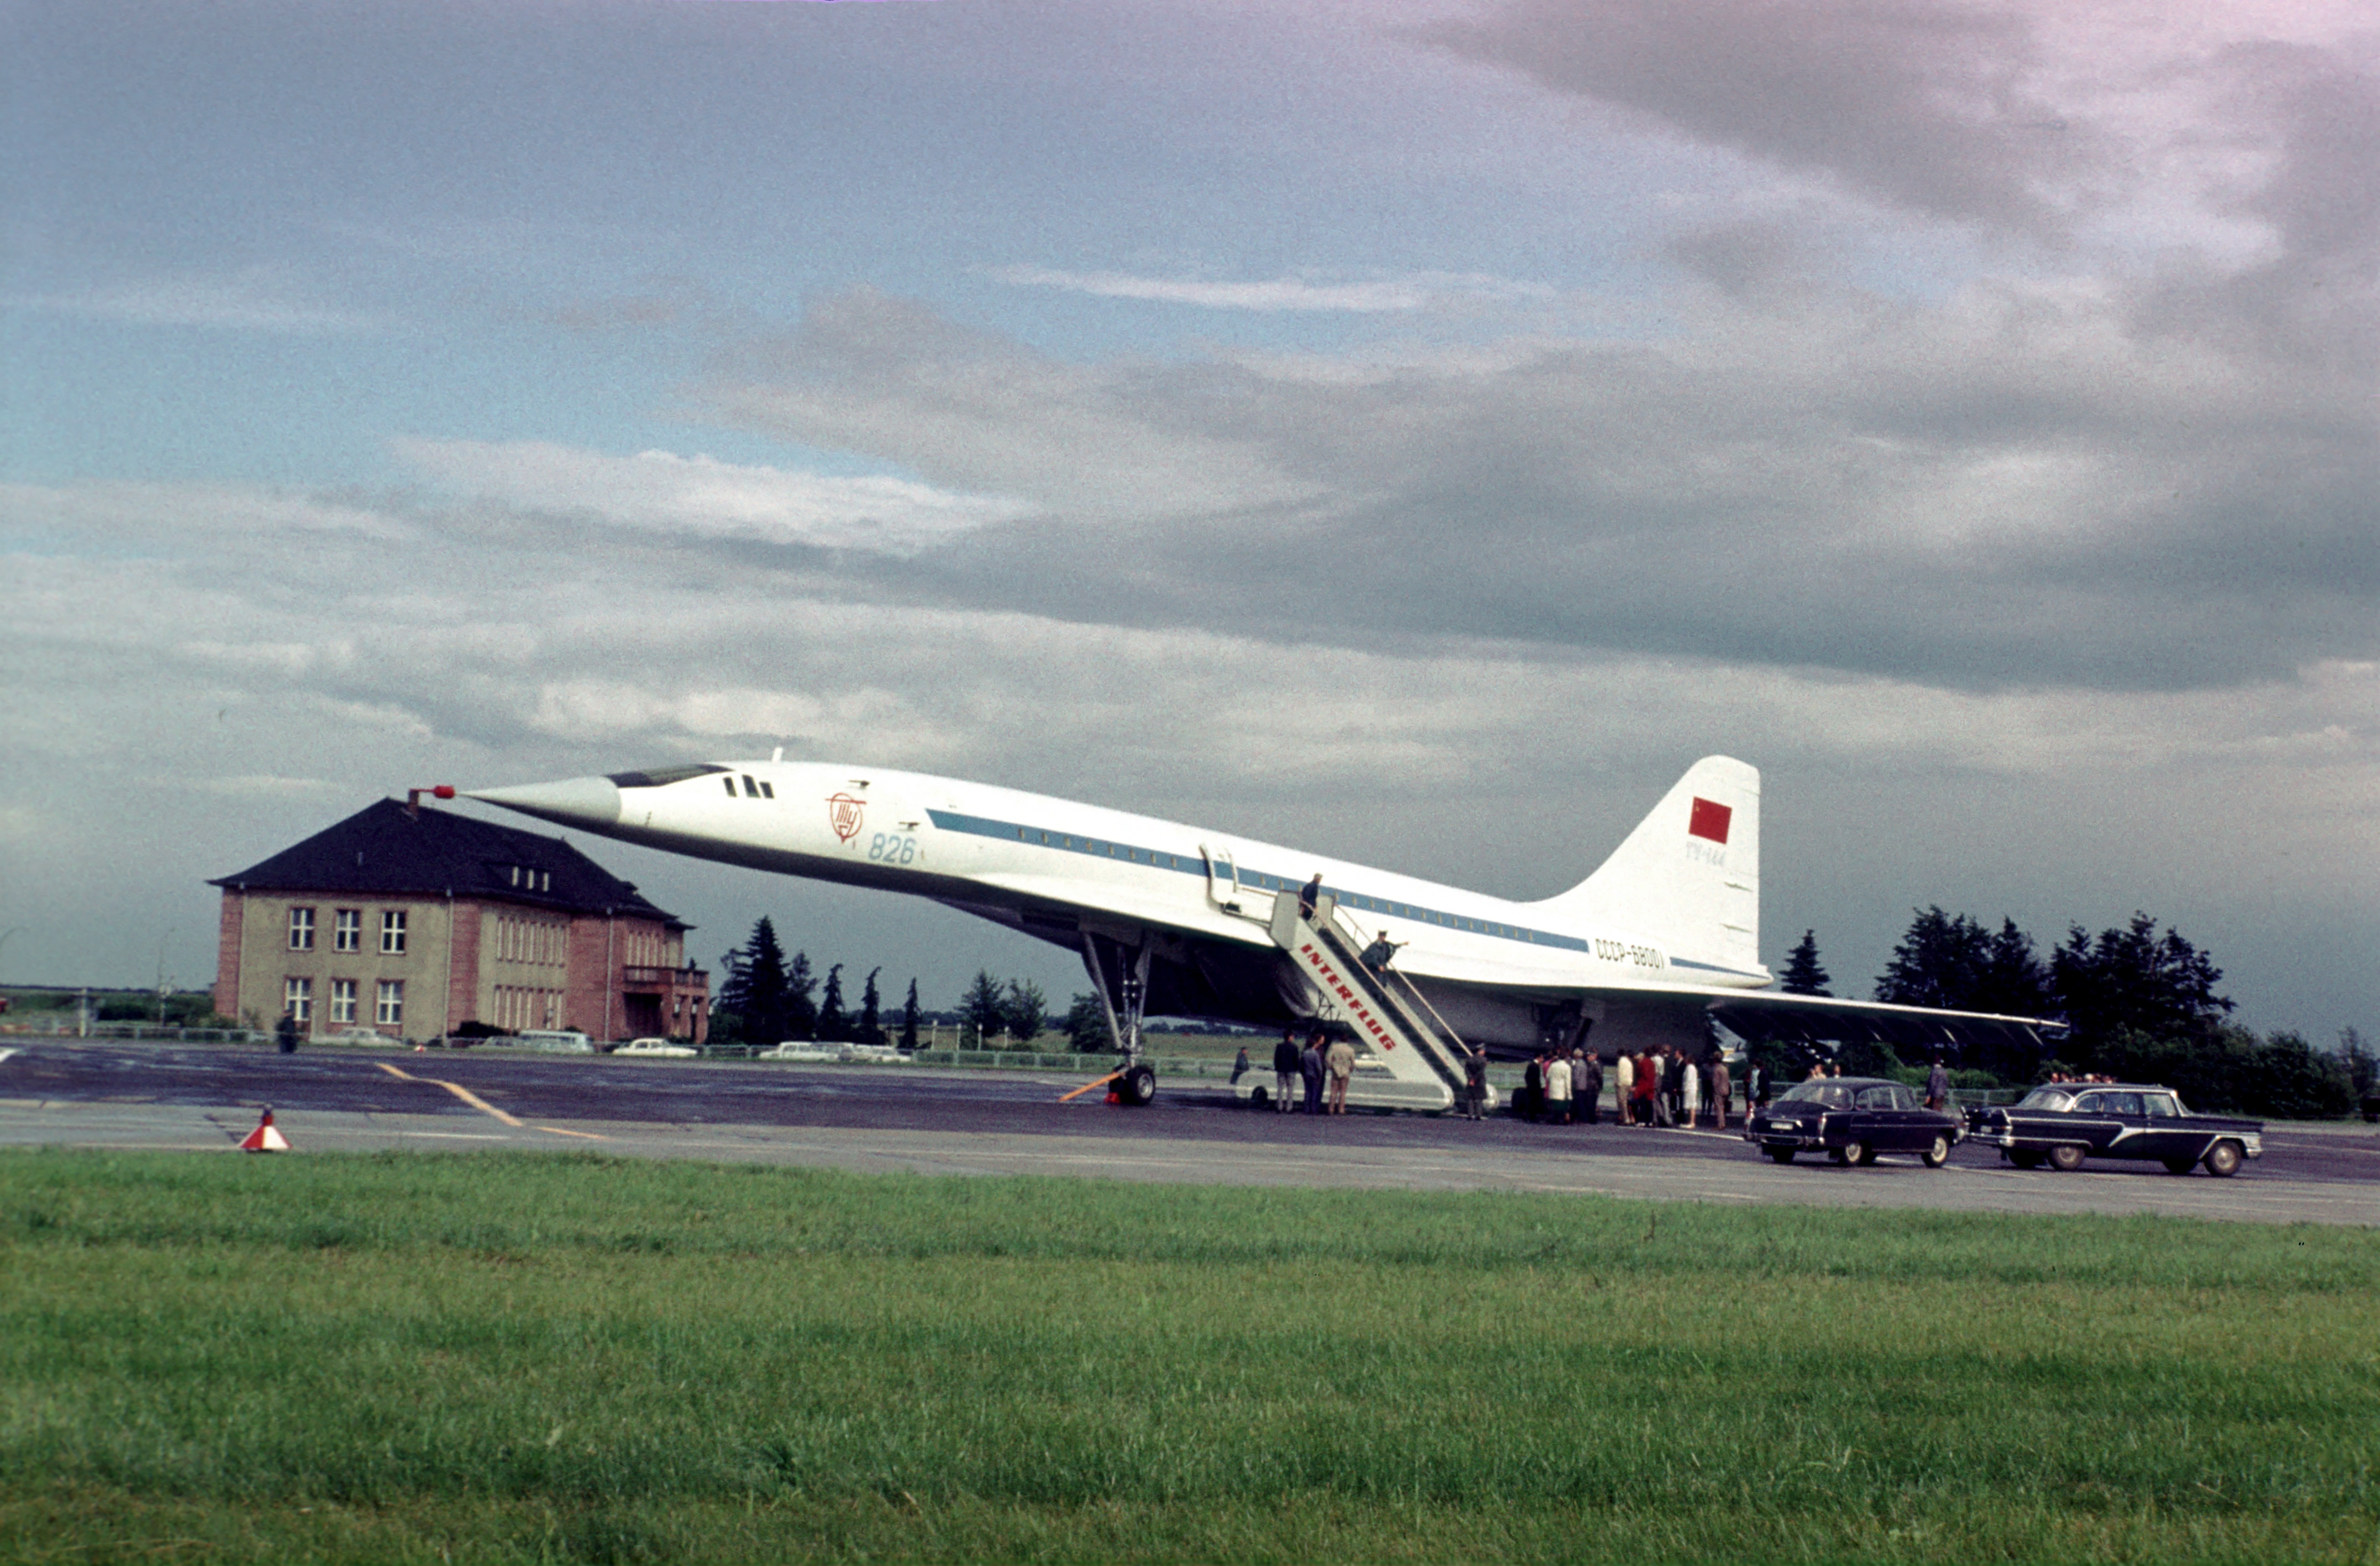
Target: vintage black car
2061, 1123
1851, 1119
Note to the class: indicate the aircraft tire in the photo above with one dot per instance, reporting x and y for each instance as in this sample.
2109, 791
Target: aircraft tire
1138, 1086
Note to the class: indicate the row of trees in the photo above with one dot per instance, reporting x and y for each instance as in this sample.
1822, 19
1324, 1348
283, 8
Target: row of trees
2141, 1002
765, 998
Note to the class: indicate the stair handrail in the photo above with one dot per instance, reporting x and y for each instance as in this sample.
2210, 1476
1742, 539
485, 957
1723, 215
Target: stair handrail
1339, 913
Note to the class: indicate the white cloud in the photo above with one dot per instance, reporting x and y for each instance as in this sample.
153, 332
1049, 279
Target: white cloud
254, 299
701, 496
1413, 291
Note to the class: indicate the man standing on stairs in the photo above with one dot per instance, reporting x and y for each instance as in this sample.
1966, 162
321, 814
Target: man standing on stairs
1310, 897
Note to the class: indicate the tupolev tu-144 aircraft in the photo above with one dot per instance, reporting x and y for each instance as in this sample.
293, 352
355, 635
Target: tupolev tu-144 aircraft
1662, 939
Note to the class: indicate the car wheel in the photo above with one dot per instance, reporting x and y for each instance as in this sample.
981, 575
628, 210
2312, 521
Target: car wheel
1781, 1155
2179, 1166
1259, 1097
1938, 1152
2067, 1156
2223, 1158
1851, 1153
2024, 1159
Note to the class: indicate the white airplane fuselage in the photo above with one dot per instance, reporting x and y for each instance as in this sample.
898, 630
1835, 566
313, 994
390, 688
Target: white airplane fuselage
1060, 870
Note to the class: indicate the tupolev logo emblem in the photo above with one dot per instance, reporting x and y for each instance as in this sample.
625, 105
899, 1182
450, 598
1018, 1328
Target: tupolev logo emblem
843, 811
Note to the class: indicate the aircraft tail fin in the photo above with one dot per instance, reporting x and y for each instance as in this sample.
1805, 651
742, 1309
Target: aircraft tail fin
1689, 875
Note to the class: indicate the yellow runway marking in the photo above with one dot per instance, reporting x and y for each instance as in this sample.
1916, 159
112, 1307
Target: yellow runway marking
481, 1104
456, 1088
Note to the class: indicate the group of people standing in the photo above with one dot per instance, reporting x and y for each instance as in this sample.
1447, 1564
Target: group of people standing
1312, 1080
1660, 1086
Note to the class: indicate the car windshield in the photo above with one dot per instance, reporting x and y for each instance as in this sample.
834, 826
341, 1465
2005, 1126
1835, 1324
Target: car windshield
2048, 1098
1833, 1095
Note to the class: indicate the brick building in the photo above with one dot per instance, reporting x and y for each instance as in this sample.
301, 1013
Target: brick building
412, 922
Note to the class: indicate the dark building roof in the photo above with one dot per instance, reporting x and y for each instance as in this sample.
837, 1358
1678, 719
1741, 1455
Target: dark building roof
388, 850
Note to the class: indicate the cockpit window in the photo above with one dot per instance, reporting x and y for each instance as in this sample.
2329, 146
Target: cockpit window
662, 777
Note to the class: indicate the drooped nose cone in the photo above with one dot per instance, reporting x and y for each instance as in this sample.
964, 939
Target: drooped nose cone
593, 803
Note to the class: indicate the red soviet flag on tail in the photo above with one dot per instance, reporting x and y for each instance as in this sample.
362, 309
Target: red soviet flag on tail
1709, 819
265, 1138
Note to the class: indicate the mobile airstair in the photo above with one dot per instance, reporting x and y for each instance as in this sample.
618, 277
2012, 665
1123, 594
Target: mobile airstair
1386, 1012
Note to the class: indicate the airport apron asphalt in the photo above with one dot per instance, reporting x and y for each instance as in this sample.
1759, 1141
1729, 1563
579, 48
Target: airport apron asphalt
64, 1092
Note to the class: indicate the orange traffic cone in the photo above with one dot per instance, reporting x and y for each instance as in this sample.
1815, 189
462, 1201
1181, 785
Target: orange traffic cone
265, 1138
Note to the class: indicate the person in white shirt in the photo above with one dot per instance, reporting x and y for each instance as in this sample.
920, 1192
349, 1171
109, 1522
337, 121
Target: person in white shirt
1623, 1077
1690, 1094
1557, 1090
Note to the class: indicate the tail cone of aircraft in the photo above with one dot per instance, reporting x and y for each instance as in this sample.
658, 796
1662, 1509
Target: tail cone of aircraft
266, 1138
591, 803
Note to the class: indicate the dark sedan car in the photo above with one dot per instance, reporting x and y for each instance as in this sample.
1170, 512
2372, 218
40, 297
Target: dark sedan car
1851, 1119
2061, 1123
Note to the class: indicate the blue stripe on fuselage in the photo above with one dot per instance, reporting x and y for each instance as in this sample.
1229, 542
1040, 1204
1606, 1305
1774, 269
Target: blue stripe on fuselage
1192, 864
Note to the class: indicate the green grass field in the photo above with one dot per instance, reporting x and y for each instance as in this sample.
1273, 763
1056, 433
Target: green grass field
547, 1357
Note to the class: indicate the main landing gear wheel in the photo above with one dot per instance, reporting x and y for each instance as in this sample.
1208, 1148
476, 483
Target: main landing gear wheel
2223, 1158
1781, 1155
1136, 1087
1937, 1153
2067, 1156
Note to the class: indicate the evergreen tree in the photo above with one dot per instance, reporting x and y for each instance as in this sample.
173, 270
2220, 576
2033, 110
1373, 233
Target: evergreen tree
801, 1012
2135, 980
1086, 1026
2012, 981
1803, 976
871, 1012
984, 1010
1938, 964
755, 988
909, 1018
833, 1023
1023, 1012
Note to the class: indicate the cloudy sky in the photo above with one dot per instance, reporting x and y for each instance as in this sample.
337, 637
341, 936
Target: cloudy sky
1414, 429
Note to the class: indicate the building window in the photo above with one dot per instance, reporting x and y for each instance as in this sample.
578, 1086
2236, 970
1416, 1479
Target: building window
392, 932
297, 998
301, 930
390, 1010
343, 1000
347, 930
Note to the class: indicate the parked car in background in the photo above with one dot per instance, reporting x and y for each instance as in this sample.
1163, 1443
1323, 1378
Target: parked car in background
2061, 1123
1853, 1118
801, 1049
661, 1047
552, 1040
